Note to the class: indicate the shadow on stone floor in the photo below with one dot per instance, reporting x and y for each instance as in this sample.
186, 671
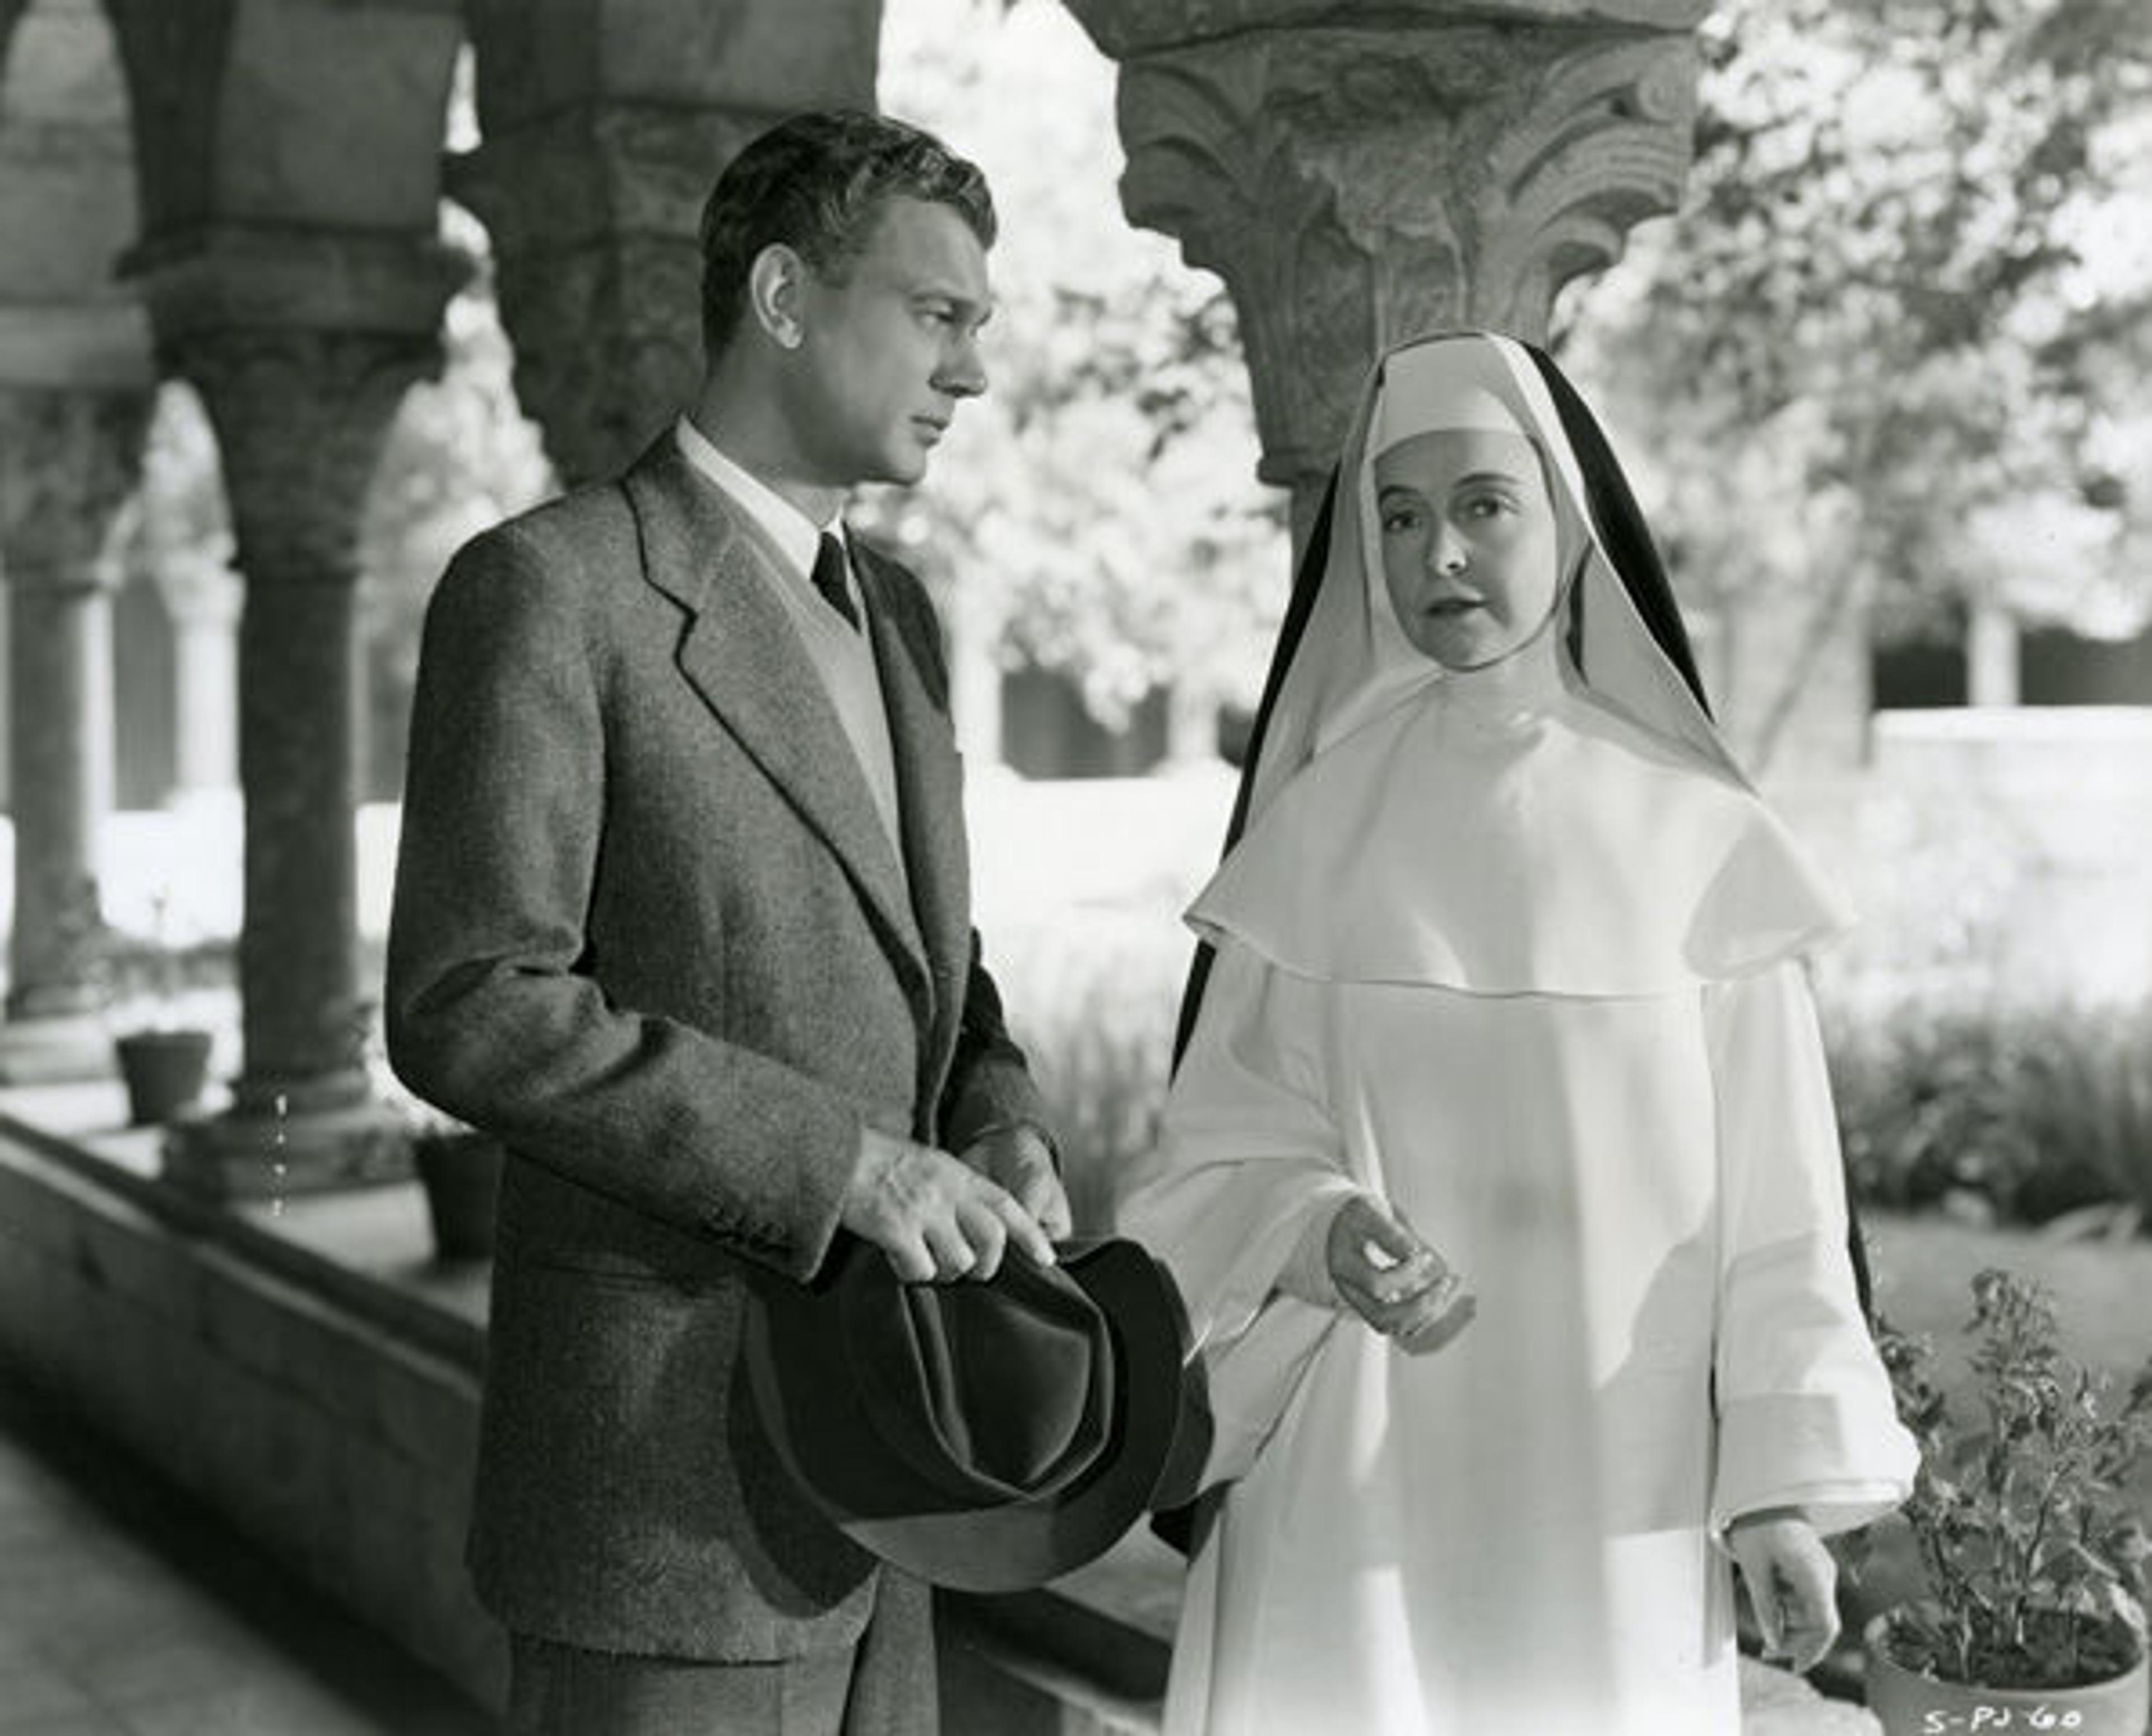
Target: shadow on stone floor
127, 1609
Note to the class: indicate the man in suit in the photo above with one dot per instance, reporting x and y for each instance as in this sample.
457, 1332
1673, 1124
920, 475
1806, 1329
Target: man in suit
682, 914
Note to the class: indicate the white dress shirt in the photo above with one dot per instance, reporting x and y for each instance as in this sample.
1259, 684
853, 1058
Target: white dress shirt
842, 655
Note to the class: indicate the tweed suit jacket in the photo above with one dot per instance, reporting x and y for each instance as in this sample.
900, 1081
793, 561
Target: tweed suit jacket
649, 929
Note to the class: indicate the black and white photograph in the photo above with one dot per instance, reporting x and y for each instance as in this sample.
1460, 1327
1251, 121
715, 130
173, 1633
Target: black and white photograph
1075, 867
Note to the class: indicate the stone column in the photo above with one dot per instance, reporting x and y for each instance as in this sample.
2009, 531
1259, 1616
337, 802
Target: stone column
302, 350
74, 391
1991, 655
68, 460
1356, 183
605, 122
203, 601
10, 11
300, 419
593, 221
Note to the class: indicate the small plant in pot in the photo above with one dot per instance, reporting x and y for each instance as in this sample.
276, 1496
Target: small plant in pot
163, 1060
2031, 1550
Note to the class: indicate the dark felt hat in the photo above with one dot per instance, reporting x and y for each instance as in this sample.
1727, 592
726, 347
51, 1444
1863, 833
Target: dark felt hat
985, 1436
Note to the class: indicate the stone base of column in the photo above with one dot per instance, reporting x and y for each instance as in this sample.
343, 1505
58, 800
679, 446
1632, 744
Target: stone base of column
243, 1155
55, 1048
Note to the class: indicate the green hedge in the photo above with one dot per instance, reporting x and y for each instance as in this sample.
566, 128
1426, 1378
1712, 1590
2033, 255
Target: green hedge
2030, 1109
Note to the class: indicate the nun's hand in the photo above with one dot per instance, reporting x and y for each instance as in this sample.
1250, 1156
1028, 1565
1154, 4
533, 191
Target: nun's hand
1792, 1583
1392, 1279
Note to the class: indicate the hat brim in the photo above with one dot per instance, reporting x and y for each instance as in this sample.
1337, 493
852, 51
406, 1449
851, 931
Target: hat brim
820, 1424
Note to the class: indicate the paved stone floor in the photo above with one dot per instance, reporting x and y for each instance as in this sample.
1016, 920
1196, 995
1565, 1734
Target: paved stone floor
125, 1610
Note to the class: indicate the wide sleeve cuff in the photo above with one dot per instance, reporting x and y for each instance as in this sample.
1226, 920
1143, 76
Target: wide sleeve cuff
1305, 1274
1251, 1381
1842, 1460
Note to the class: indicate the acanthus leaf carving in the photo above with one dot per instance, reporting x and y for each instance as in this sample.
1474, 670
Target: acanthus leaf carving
69, 459
594, 218
1356, 184
300, 417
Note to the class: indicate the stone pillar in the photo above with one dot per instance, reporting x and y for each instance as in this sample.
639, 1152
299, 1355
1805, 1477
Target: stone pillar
1991, 655
975, 684
288, 159
605, 122
10, 11
74, 389
1355, 184
68, 460
302, 351
203, 602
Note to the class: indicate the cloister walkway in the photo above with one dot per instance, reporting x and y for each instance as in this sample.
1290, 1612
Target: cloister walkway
127, 1609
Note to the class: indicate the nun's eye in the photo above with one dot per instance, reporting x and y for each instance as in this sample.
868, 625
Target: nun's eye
1396, 520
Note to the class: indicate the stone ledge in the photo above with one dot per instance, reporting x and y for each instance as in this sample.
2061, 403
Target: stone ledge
328, 1413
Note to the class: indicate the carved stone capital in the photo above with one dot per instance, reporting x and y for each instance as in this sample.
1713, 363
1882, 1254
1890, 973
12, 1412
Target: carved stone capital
1355, 185
597, 170
69, 459
279, 277
1127, 28
608, 345
593, 216
300, 419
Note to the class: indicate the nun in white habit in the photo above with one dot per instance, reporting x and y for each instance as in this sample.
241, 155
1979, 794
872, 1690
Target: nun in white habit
1499, 1171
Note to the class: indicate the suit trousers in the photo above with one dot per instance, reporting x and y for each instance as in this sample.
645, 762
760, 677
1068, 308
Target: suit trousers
883, 1686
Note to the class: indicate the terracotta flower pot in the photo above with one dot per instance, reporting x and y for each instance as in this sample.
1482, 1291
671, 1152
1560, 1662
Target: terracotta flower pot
461, 1174
164, 1072
1910, 1704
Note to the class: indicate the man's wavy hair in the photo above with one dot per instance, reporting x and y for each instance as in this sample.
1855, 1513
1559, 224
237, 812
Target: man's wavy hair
816, 183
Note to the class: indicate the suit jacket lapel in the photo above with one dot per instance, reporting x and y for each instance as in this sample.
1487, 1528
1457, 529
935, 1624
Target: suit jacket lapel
742, 654
930, 801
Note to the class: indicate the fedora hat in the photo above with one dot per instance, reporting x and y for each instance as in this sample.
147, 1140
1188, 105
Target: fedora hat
987, 1436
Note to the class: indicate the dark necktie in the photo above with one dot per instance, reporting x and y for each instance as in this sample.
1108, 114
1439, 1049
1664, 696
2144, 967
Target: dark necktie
829, 580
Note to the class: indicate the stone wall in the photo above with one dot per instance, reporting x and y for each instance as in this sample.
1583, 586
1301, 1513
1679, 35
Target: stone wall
338, 1441
306, 1380
2003, 850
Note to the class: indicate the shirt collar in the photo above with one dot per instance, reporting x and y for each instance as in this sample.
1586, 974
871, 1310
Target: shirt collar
797, 536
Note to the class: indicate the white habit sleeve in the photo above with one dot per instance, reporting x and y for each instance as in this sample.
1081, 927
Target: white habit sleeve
1805, 1415
1247, 1162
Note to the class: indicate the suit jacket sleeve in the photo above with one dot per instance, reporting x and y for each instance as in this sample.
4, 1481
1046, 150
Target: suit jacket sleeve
989, 1081
486, 1010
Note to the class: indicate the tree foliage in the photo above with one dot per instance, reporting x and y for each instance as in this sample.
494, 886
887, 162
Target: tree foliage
1098, 507
1896, 342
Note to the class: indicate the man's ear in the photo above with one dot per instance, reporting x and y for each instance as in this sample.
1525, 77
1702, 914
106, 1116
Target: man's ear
775, 285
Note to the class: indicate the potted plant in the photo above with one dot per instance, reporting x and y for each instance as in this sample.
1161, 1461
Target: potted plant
163, 1062
2031, 1551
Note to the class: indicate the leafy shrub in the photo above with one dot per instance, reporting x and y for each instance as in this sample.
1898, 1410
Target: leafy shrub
2037, 1107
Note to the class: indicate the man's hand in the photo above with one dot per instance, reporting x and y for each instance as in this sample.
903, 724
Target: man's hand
933, 1217
1392, 1280
1018, 1158
1792, 1581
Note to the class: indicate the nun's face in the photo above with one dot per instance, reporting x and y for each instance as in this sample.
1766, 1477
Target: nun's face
1470, 553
